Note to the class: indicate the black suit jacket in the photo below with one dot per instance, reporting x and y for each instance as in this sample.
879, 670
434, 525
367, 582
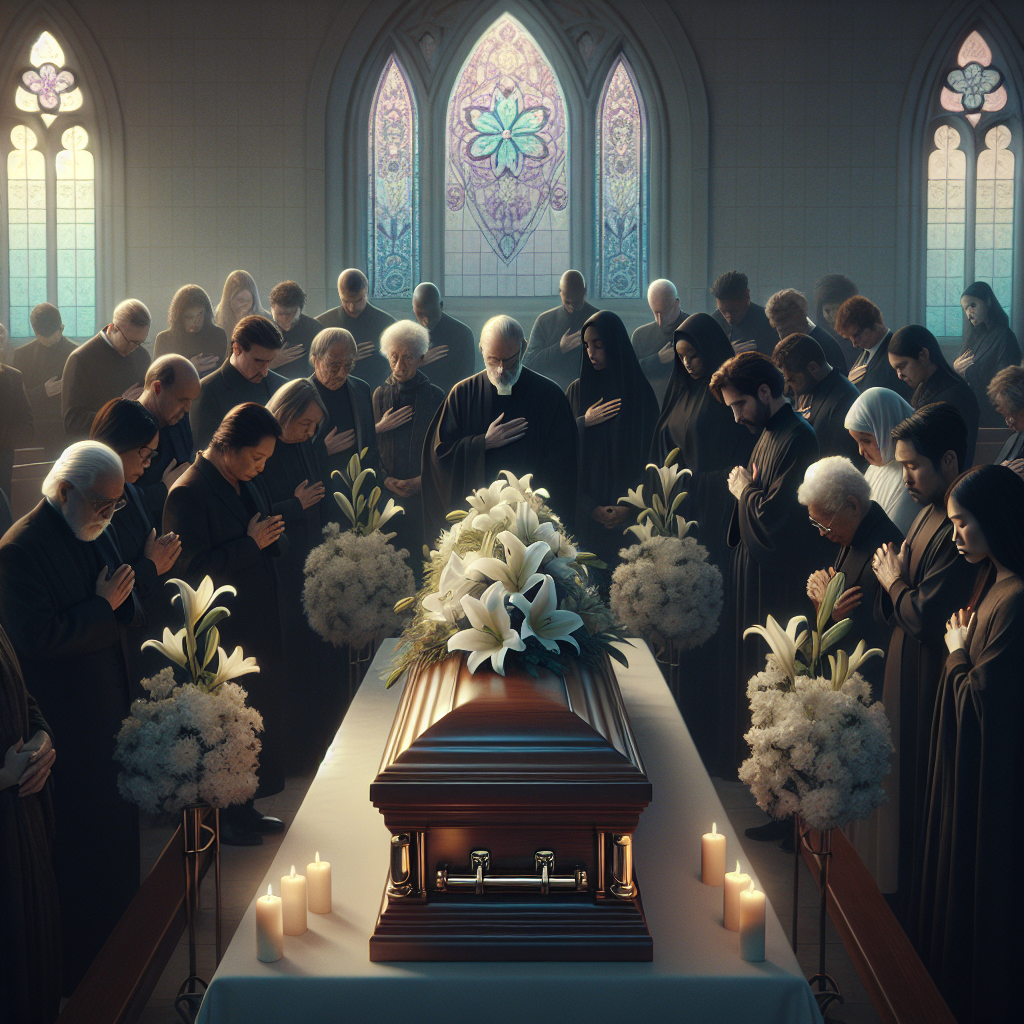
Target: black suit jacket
176, 445
93, 374
830, 402
879, 373
366, 437
222, 391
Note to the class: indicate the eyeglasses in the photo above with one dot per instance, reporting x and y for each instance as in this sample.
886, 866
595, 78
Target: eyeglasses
134, 342
824, 529
147, 454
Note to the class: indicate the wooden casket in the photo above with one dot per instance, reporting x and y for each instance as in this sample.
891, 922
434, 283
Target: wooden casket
511, 803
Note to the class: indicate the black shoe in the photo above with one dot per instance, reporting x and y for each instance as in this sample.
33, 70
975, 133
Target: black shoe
771, 832
260, 823
233, 834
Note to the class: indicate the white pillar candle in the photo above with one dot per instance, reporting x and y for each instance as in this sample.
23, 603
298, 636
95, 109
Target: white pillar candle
319, 876
735, 882
293, 895
712, 857
752, 924
269, 928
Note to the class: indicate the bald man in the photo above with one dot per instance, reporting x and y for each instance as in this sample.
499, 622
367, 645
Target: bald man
556, 341
364, 322
654, 343
452, 353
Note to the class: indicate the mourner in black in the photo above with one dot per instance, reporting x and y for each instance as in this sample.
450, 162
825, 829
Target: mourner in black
555, 340
744, 322
989, 347
787, 313
452, 353
654, 343
365, 322
1006, 394
191, 331
287, 303
860, 321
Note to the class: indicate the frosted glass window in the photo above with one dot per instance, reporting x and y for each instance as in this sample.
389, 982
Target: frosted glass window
622, 186
76, 233
26, 229
394, 187
947, 205
993, 237
507, 170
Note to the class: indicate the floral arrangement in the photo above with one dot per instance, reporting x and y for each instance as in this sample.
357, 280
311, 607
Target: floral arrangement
665, 587
355, 577
818, 746
195, 740
506, 579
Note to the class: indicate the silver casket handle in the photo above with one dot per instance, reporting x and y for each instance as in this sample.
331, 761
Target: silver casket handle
544, 881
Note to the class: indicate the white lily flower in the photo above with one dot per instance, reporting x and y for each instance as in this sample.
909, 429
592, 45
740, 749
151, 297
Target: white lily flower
529, 528
519, 570
669, 476
389, 510
446, 605
522, 485
635, 497
502, 514
171, 647
196, 602
784, 642
491, 635
644, 531
230, 667
543, 620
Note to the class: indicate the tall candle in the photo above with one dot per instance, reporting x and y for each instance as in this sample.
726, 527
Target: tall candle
269, 928
752, 924
712, 857
735, 882
293, 895
319, 875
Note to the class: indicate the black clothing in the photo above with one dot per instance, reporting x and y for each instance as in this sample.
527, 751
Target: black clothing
94, 373
879, 372
302, 332
544, 353
222, 391
209, 340
38, 363
946, 385
1011, 450
175, 445
648, 341
834, 354
830, 402
461, 358
368, 326
994, 349
15, 421
752, 334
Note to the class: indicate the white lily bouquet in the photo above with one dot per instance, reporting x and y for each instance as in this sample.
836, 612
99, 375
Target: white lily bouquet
354, 578
506, 579
195, 740
818, 745
665, 587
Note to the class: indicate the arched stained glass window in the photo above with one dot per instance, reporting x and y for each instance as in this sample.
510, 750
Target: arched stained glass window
622, 186
947, 211
506, 170
76, 233
394, 232
993, 252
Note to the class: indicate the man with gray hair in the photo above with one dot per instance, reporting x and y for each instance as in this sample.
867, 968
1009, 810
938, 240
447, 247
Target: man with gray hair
654, 343
506, 417
111, 365
65, 600
452, 352
365, 322
556, 339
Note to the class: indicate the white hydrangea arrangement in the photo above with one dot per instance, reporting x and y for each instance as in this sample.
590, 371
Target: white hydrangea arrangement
665, 587
506, 579
354, 579
192, 741
818, 746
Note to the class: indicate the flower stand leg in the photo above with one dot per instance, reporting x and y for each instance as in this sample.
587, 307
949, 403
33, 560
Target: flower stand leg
827, 990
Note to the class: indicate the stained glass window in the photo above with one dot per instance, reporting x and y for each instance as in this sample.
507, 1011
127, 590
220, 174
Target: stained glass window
76, 233
993, 241
394, 186
974, 86
26, 228
622, 186
507, 170
947, 209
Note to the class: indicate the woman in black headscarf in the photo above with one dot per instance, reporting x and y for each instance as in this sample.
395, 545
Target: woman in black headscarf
615, 410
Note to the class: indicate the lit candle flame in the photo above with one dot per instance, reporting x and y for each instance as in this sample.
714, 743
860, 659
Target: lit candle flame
293, 871
269, 891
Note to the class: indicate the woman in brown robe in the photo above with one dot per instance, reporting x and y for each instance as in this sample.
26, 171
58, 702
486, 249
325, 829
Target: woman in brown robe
964, 911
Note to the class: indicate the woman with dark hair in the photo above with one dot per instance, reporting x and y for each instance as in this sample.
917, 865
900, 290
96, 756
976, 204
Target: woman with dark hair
227, 532
191, 331
989, 346
830, 292
915, 355
975, 797
616, 411
240, 298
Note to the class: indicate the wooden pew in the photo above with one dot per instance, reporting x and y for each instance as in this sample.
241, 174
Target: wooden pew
990, 441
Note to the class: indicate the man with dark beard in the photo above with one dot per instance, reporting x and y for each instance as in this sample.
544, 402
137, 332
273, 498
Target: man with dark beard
557, 334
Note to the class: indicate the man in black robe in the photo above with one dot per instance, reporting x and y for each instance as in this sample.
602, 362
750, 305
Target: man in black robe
555, 340
654, 343
506, 417
113, 364
452, 353
821, 393
860, 321
787, 313
41, 363
245, 377
65, 599
744, 322
366, 323
287, 302
15, 421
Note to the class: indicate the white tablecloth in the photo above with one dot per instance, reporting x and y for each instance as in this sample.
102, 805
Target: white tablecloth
326, 975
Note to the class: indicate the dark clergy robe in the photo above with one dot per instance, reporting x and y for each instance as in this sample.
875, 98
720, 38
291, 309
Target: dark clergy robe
934, 582
456, 461
212, 520
222, 391
878, 373
15, 422
834, 354
648, 341
95, 373
302, 332
964, 913
461, 358
1013, 449
544, 353
209, 340
752, 334
176, 445
830, 402
38, 363
994, 349
946, 385
368, 326
73, 652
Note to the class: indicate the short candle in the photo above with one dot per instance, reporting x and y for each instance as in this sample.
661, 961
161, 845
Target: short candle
735, 882
318, 875
293, 895
752, 903
712, 857
269, 928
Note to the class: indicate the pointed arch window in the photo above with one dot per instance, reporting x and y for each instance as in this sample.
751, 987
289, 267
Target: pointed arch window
621, 185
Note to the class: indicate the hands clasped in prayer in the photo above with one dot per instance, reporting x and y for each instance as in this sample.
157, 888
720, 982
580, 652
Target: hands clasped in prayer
957, 628
740, 479
886, 564
845, 603
162, 551
115, 587
265, 531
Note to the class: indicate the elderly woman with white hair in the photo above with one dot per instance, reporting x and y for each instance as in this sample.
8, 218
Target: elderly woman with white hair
403, 407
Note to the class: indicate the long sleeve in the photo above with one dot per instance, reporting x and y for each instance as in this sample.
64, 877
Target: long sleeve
36, 722
187, 516
74, 400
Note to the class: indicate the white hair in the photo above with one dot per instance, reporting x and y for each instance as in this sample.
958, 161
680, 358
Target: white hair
829, 482
80, 465
132, 311
291, 400
502, 327
406, 334
662, 286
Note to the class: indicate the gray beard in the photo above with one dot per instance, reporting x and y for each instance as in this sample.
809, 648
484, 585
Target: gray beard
504, 385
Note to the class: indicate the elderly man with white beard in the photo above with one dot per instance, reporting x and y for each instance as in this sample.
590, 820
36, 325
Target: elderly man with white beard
65, 599
505, 417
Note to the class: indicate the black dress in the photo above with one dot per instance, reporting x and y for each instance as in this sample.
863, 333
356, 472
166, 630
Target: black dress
994, 349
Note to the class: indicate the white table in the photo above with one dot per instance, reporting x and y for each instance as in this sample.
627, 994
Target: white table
326, 974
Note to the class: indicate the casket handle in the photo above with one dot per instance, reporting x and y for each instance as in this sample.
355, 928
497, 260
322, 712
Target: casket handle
480, 881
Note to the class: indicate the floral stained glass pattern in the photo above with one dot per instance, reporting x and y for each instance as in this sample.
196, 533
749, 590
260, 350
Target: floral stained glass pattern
76, 233
993, 236
26, 241
394, 187
947, 210
47, 89
622, 186
974, 86
507, 165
